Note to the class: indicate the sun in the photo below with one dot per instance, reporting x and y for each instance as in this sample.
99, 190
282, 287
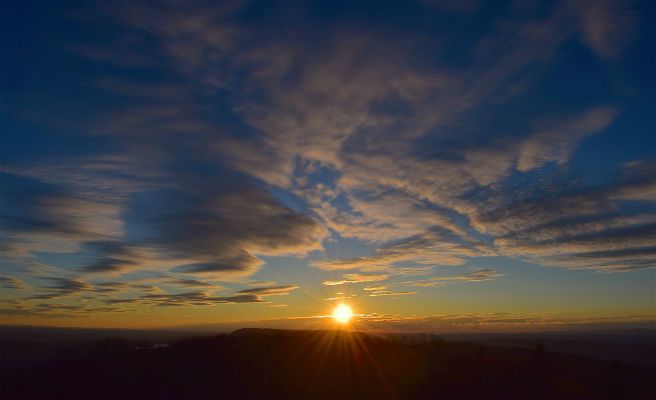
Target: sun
343, 313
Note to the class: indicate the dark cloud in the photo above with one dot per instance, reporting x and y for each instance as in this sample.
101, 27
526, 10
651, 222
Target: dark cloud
558, 223
269, 291
193, 228
188, 282
202, 297
110, 265
66, 284
242, 298
9, 282
54, 310
188, 299
39, 216
22, 203
224, 227
111, 256
231, 264
59, 287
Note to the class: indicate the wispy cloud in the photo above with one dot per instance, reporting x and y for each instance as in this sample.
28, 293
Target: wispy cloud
557, 143
432, 248
473, 276
8, 282
59, 287
606, 26
378, 293
357, 278
270, 290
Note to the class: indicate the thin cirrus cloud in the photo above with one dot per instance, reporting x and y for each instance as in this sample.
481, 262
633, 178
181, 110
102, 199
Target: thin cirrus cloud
480, 275
432, 248
379, 293
557, 143
357, 278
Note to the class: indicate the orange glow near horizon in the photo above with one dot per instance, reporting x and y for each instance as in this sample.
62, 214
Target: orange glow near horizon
343, 313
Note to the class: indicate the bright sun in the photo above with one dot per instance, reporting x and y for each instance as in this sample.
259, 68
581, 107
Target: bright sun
342, 313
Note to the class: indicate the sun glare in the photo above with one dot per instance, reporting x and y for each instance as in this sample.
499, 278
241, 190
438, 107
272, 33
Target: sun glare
342, 313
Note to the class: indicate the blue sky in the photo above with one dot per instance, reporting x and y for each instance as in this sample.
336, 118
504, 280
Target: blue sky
437, 164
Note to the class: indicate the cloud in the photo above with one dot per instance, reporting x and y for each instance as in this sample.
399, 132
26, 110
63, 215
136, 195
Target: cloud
336, 117
109, 287
234, 264
155, 284
554, 221
269, 291
357, 278
37, 216
414, 271
65, 284
55, 311
379, 293
200, 298
341, 296
638, 182
375, 288
225, 230
204, 230
499, 321
385, 216
557, 143
8, 282
60, 287
191, 283
473, 276
433, 248
111, 256
190, 33
186, 299
605, 25
262, 283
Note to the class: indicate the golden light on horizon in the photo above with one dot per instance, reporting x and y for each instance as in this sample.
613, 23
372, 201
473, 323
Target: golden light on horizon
343, 313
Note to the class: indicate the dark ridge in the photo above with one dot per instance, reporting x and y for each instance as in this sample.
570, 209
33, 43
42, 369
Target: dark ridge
285, 364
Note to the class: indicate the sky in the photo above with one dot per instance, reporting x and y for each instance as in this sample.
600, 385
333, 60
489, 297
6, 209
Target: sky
438, 165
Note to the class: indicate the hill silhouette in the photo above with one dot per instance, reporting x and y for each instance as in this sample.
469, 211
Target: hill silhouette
286, 364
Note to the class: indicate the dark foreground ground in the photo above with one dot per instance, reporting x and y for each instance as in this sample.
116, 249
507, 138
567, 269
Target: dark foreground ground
274, 364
